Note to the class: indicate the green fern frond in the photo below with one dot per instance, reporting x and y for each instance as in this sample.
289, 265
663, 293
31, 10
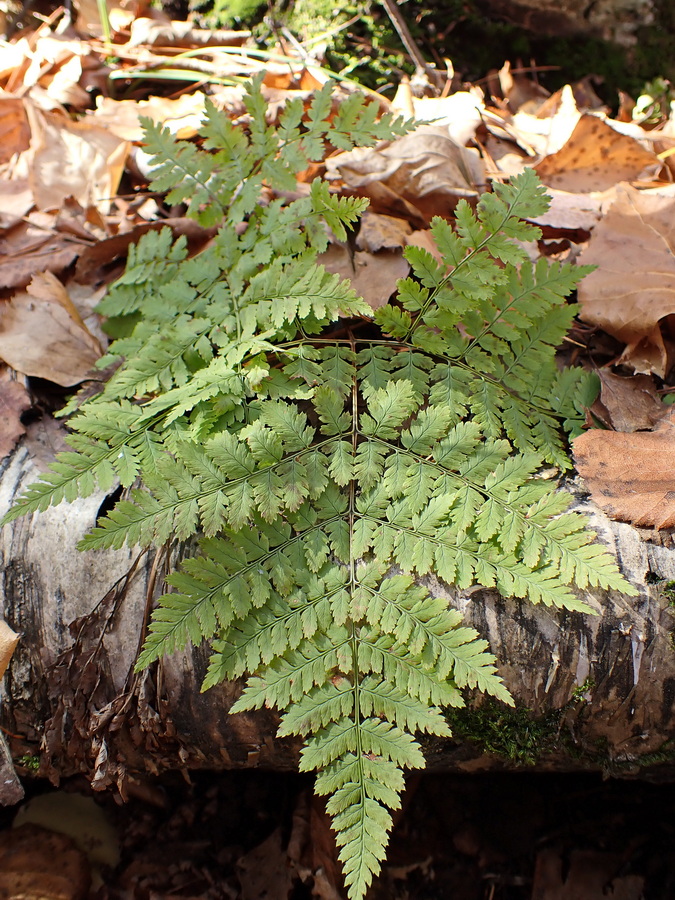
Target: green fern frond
324, 460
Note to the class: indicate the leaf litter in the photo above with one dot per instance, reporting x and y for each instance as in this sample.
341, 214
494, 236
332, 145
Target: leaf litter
73, 196
73, 183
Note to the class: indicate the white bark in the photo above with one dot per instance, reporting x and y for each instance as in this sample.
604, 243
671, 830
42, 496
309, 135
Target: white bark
71, 689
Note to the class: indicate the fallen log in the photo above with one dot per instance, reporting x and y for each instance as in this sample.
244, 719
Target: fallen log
71, 703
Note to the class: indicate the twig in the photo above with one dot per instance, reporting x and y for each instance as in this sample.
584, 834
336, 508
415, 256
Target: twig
408, 41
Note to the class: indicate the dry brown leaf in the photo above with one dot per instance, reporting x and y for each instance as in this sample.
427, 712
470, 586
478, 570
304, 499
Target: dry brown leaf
633, 288
40, 337
520, 92
33, 245
47, 288
426, 168
56, 66
540, 134
16, 200
373, 275
177, 33
13, 128
425, 239
631, 476
48, 67
461, 113
629, 403
72, 159
182, 115
14, 60
575, 212
595, 158
382, 232
14, 401
8, 641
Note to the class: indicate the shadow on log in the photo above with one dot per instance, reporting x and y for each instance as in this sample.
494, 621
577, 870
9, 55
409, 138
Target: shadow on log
71, 697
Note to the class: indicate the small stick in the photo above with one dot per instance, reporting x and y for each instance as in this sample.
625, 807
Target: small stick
414, 51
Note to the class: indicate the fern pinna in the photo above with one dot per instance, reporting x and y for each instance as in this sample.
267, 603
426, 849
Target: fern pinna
328, 458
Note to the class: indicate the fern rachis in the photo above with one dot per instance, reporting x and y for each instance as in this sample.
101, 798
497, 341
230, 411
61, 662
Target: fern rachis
327, 470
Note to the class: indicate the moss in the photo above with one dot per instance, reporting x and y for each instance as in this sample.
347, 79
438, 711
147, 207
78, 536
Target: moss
370, 51
513, 733
517, 735
31, 763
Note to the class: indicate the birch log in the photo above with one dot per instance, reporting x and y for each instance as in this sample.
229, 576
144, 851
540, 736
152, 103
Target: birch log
72, 699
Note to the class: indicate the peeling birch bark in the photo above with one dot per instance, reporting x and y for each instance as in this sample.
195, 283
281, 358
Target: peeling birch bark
73, 699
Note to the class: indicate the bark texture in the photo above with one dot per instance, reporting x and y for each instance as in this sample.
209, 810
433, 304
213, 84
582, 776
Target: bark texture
71, 696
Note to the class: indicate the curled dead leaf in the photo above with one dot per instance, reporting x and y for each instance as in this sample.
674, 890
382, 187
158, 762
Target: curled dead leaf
373, 275
425, 168
8, 641
633, 289
631, 476
42, 335
629, 403
14, 401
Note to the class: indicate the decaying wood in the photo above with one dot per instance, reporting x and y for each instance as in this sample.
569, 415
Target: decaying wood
71, 695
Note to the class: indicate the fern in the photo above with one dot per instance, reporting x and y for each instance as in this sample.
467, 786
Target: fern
326, 472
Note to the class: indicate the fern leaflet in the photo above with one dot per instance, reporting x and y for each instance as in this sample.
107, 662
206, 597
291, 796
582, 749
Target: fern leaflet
326, 470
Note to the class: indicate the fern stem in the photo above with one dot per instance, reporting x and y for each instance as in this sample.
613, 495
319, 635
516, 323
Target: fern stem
431, 300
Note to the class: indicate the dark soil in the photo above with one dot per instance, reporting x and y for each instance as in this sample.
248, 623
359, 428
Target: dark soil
254, 835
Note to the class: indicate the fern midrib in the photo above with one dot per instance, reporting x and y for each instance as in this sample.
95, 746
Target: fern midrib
353, 560
449, 360
209, 492
426, 537
158, 368
192, 176
522, 353
510, 300
477, 486
256, 170
460, 265
430, 636
111, 455
282, 619
558, 550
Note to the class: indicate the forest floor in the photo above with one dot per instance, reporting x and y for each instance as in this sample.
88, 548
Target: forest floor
73, 197
244, 836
